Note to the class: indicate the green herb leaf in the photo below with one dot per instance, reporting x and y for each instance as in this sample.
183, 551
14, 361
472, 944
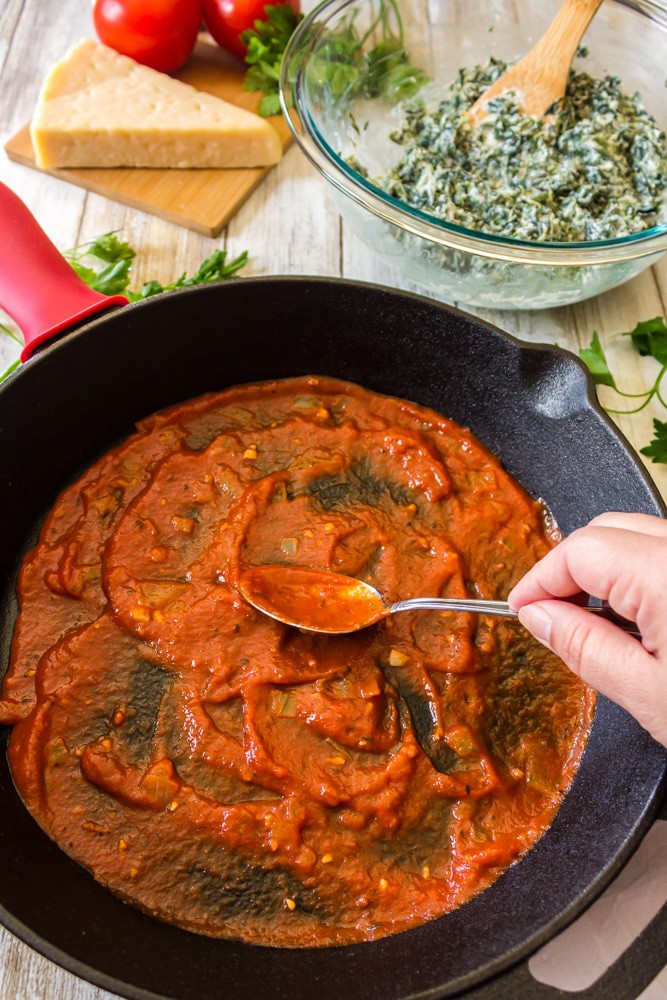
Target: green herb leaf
269, 105
110, 280
595, 360
650, 339
87, 274
345, 65
214, 268
266, 43
114, 279
109, 248
115, 253
341, 67
388, 71
657, 449
403, 81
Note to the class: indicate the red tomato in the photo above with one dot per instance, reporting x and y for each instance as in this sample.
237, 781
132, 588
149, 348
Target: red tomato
157, 33
228, 19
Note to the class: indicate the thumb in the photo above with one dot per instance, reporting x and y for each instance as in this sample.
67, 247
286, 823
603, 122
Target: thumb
605, 658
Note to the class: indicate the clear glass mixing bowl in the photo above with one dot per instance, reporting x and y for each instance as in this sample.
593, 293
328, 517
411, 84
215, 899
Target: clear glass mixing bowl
627, 38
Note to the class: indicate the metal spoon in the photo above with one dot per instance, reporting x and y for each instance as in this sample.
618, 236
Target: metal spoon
540, 78
319, 601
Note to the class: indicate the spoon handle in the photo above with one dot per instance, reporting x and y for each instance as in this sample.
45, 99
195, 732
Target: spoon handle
500, 608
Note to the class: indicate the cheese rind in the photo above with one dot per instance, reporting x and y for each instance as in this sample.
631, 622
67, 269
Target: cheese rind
98, 108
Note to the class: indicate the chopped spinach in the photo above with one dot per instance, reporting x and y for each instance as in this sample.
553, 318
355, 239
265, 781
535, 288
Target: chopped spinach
148, 685
594, 169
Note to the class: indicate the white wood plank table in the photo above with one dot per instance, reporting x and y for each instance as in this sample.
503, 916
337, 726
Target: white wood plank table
288, 226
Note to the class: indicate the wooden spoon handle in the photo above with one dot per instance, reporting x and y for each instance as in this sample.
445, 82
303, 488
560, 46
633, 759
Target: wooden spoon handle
556, 49
540, 78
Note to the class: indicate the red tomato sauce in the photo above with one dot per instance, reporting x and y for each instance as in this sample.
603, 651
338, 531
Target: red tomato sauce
312, 598
242, 778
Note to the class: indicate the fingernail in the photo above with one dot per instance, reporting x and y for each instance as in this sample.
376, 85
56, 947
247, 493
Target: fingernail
538, 621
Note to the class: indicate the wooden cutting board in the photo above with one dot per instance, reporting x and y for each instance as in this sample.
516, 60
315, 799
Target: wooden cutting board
202, 200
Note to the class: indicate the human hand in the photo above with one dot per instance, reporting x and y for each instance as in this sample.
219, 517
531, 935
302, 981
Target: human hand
621, 559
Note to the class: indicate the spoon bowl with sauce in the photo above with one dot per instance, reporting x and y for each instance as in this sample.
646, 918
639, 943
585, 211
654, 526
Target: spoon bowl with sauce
319, 601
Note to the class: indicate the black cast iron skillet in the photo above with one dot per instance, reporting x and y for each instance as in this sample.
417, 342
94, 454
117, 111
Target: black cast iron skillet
534, 406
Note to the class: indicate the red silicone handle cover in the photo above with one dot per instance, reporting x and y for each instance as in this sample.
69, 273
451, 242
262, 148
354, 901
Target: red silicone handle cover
38, 288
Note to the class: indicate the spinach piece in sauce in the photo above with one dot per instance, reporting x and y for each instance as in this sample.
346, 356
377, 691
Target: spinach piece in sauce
359, 485
235, 889
148, 686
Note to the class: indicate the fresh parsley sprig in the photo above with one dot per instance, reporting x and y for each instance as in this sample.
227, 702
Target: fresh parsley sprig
650, 339
657, 449
105, 264
214, 268
117, 256
266, 42
343, 64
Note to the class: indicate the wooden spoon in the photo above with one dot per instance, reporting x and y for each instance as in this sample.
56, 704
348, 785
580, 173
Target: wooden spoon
540, 78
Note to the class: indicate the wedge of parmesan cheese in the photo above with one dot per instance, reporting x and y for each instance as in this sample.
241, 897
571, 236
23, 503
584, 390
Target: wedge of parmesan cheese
97, 108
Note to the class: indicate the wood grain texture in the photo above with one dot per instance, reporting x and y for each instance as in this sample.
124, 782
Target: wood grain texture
288, 225
201, 200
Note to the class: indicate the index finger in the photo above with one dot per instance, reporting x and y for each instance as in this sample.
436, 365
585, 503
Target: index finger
626, 568
647, 524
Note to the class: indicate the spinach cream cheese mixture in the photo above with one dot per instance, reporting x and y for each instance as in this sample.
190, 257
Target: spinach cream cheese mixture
594, 169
